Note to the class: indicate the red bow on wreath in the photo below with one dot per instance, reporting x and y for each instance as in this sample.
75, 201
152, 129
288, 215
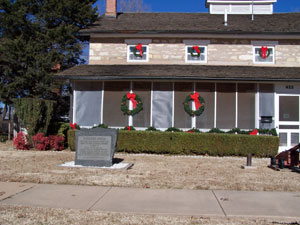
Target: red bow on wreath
264, 52
73, 125
131, 97
140, 48
196, 48
196, 100
254, 132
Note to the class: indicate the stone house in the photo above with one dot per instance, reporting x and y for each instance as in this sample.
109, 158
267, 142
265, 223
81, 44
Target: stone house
241, 58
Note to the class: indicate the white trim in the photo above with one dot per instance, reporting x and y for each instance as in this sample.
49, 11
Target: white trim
273, 61
215, 108
173, 104
130, 119
236, 105
151, 105
256, 116
278, 123
140, 61
74, 103
196, 61
194, 107
102, 102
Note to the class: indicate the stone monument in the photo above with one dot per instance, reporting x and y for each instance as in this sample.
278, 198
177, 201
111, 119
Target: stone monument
95, 147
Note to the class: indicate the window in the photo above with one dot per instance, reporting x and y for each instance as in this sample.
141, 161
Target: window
263, 54
143, 89
113, 93
181, 118
226, 94
137, 53
207, 92
246, 106
196, 54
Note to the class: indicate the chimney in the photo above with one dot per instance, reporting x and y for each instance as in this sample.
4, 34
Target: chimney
111, 8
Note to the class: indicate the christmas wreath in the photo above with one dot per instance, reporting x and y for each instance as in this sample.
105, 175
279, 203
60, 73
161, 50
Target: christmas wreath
138, 48
199, 104
264, 52
197, 49
136, 103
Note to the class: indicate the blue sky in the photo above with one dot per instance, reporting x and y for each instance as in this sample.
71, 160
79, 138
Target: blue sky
199, 5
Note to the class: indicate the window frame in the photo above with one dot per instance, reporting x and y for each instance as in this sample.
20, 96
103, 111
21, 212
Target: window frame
273, 55
134, 60
196, 61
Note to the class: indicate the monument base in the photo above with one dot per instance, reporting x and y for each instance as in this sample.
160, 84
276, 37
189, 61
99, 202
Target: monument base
98, 163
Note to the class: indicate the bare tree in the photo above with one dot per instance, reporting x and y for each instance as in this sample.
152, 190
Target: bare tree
133, 6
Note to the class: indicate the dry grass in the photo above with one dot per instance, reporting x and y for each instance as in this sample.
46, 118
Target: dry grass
14, 215
149, 171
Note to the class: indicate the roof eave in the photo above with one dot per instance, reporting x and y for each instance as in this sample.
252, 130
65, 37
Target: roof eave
118, 78
194, 34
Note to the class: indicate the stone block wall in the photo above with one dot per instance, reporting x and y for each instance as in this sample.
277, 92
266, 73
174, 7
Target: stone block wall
173, 52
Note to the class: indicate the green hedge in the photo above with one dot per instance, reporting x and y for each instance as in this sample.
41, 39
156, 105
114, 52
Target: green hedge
71, 139
58, 128
190, 144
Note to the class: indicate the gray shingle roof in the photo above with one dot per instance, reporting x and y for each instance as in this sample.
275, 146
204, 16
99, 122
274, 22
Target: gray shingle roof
177, 72
281, 23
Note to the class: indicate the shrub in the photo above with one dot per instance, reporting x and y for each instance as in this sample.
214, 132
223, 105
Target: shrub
71, 139
57, 142
21, 141
3, 138
129, 128
197, 143
216, 131
58, 128
173, 129
102, 125
40, 142
194, 131
34, 114
151, 129
192, 143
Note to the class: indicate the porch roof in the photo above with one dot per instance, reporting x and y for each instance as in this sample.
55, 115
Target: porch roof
181, 72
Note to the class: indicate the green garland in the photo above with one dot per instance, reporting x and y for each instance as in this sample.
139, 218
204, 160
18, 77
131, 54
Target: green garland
260, 54
138, 108
189, 110
135, 54
194, 54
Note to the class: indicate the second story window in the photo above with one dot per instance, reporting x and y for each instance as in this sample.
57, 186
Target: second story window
196, 54
137, 53
264, 54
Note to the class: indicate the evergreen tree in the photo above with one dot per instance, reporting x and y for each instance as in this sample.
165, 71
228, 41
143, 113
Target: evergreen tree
36, 36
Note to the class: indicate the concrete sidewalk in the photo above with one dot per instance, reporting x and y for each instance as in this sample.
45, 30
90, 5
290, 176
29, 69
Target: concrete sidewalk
152, 201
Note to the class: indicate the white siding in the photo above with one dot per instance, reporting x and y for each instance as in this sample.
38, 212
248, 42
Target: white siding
241, 8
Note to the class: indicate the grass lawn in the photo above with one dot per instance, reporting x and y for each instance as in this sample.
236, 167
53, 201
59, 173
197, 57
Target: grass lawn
148, 171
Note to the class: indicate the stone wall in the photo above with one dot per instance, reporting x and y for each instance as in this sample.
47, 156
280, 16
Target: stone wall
173, 52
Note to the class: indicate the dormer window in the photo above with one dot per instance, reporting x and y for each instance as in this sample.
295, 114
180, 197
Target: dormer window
137, 53
264, 54
196, 54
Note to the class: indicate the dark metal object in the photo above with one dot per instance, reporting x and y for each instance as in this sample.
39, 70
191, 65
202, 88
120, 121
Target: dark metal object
273, 161
249, 160
266, 119
281, 163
